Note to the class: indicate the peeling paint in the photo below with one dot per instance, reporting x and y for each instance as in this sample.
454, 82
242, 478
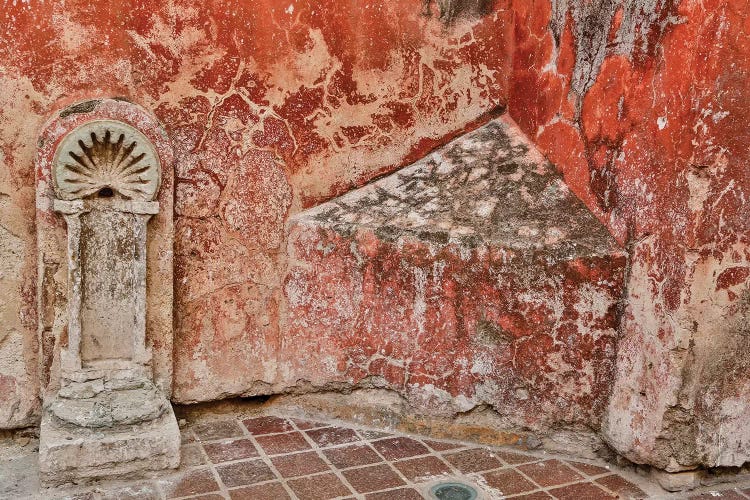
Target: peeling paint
270, 108
456, 310
624, 99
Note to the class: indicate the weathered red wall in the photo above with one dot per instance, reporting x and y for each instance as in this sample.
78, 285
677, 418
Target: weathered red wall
270, 106
644, 106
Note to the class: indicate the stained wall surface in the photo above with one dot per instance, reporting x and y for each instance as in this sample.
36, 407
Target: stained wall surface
271, 107
470, 282
274, 107
644, 106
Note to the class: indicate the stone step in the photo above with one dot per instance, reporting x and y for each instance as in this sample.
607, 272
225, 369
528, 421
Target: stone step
471, 277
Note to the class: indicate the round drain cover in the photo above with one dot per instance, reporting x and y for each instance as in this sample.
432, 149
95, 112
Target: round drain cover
453, 491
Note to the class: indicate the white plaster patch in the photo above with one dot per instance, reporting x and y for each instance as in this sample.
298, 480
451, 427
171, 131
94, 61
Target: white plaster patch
296, 293
527, 232
482, 364
553, 235
699, 187
719, 115
485, 207
444, 167
11, 262
14, 407
593, 300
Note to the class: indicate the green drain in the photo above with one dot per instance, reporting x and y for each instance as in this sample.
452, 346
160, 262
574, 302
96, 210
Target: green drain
453, 491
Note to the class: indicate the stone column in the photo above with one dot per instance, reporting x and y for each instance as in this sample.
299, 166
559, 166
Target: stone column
108, 418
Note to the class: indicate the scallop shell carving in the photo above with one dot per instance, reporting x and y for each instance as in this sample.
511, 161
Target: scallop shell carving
106, 158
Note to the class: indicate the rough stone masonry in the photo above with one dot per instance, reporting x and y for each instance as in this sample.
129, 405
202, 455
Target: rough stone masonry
472, 277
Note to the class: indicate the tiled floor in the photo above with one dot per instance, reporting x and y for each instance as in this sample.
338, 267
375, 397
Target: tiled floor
274, 458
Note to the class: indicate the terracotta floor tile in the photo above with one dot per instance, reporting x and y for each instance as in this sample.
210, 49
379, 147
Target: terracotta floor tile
283, 443
230, 450
243, 473
372, 478
307, 424
580, 491
266, 491
192, 482
621, 486
513, 458
589, 469
539, 495
474, 460
508, 482
441, 445
299, 464
399, 494
422, 468
351, 456
320, 487
331, 436
399, 447
218, 429
267, 425
191, 455
550, 473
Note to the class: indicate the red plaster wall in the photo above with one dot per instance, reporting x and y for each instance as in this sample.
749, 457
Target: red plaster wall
644, 106
273, 106
453, 330
270, 106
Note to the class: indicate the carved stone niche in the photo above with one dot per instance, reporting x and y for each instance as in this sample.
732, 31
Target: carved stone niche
108, 414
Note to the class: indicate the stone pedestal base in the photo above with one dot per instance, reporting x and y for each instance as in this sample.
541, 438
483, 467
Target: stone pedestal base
73, 454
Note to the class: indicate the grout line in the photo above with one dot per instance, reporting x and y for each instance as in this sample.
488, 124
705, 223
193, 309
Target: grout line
440, 457
323, 457
267, 460
220, 491
528, 478
222, 487
208, 464
548, 489
593, 480
390, 463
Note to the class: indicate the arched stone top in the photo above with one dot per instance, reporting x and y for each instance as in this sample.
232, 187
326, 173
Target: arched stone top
106, 158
